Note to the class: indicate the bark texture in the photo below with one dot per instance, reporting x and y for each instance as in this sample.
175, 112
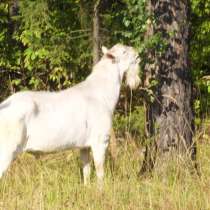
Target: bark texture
96, 35
170, 116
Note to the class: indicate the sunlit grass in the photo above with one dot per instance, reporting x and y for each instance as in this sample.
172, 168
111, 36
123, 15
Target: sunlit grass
55, 182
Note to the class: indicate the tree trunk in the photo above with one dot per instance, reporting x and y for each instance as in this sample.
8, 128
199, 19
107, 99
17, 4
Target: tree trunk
84, 14
170, 124
96, 36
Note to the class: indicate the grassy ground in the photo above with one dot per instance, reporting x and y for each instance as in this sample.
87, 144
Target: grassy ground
54, 182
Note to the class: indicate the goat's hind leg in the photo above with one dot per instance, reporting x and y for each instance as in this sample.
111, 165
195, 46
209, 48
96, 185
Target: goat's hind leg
99, 159
85, 158
12, 142
5, 160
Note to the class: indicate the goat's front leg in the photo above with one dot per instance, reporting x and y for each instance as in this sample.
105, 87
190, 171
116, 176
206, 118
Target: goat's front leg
85, 158
5, 160
12, 141
99, 151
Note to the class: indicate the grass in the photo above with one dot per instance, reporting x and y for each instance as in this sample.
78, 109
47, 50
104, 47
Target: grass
54, 182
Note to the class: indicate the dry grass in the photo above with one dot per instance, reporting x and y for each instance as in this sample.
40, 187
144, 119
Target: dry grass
54, 182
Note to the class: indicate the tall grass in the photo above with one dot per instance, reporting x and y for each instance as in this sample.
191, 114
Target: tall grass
54, 182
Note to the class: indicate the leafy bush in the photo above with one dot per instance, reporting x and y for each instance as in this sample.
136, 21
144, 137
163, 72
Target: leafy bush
132, 123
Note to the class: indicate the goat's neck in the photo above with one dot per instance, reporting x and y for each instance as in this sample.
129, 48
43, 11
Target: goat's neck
107, 80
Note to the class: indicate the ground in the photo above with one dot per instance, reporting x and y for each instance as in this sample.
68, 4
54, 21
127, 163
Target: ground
54, 182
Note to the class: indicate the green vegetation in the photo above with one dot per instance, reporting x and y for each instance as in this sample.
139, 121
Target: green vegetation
200, 53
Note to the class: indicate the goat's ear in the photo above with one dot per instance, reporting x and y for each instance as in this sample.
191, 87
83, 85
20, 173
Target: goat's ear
104, 50
107, 53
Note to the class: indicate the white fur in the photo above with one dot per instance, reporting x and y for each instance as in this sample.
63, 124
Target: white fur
104, 49
78, 117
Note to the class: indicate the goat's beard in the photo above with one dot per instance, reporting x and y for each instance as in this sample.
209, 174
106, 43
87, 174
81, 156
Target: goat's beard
132, 77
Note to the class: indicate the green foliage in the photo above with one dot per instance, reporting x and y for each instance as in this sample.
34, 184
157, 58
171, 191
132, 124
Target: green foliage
132, 123
44, 45
127, 19
200, 53
135, 21
200, 43
9, 51
47, 33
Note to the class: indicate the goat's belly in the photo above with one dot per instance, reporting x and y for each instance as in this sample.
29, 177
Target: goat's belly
54, 137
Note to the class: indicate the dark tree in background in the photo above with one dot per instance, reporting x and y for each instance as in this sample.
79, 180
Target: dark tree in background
170, 124
96, 30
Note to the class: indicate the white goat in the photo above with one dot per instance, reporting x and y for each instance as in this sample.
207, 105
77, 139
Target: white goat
78, 117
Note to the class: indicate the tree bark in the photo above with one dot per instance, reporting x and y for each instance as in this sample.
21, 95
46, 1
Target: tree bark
170, 121
96, 35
